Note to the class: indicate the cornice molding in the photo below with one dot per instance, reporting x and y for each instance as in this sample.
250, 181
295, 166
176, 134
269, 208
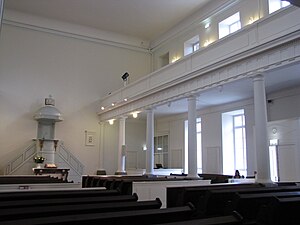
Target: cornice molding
22, 20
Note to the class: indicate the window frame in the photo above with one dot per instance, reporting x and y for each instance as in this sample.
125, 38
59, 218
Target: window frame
226, 25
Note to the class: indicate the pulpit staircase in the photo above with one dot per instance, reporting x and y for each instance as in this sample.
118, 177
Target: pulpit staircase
23, 163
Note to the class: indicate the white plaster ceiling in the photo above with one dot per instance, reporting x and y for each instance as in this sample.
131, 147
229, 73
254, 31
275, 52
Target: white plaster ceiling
146, 19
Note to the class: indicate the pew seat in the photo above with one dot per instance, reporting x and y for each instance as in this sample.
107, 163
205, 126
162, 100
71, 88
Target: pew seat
248, 205
67, 201
137, 217
35, 194
234, 219
216, 201
280, 211
75, 209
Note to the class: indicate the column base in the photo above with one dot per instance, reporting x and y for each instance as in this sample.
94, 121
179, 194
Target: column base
121, 173
266, 182
149, 175
193, 176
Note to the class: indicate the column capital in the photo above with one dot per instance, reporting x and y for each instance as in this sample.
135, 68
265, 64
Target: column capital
192, 97
101, 123
257, 76
123, 117
149, 109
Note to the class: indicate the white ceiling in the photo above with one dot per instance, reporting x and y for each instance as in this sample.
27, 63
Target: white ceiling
146, 19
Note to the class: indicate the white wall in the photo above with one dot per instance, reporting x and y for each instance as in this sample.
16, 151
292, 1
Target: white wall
288, 153
135, 140
34, 64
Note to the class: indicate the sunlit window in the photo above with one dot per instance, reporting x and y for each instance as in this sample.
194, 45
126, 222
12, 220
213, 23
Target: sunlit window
275, 5
196, 46
234, 142
229, 25
191, 45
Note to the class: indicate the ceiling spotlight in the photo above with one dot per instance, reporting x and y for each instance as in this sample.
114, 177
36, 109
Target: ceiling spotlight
125, 99
207, 25
112, 104
102, 108
125, 78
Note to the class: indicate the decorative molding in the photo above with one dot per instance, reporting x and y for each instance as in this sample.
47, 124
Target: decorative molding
245, 68
27, 21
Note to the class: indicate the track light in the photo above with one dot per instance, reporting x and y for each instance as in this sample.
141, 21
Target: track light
125, 76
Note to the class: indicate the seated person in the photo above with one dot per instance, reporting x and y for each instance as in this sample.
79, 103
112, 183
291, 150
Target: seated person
237, 174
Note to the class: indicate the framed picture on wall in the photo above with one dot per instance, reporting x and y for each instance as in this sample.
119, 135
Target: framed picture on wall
90, 138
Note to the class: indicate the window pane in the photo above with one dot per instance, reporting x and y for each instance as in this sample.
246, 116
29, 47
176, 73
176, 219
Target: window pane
275, 5
238, 121
198, 127
229, 25
199, 153
284, 4
196, 46
234, 27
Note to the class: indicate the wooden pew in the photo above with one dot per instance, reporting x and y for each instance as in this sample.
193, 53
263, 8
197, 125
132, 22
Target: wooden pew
66, 201
75, 209
215, 201
248, 205
30, 195
179, 196
137, 217
234, 219
28, 179
215, 178
280, 211
123, 183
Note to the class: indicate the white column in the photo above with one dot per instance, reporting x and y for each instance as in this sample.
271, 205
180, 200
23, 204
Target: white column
192, 137
150, 142
261, 136
101, 146
122, 146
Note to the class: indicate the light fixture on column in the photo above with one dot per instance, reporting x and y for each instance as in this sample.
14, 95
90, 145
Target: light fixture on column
135, 114
111, 121
206, 43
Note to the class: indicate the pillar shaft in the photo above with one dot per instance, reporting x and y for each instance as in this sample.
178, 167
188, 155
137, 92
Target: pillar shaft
122, 146
192, 137
150, 142
261, 134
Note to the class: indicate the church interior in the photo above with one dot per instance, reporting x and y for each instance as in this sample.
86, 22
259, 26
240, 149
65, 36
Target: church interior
149, 112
